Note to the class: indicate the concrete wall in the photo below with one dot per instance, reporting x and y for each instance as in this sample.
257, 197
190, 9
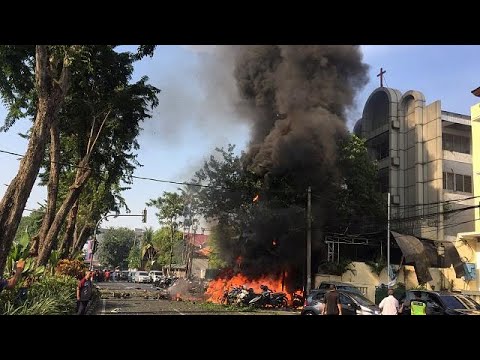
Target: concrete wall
363, 277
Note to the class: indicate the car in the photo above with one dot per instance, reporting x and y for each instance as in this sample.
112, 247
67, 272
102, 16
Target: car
155, 275
352, 303
142, 277
441, 303
325, 285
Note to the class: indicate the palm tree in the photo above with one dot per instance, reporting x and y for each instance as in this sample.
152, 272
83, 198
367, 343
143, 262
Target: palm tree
149, 252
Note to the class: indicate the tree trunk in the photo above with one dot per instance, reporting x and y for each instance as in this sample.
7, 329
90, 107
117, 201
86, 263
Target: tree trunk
69, 231
81, 239
50, 98
83, 173
52, 189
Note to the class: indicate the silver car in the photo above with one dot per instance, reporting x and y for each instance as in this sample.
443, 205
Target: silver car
352, 304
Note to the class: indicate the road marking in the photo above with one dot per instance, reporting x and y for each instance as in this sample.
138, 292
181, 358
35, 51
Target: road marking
104, 302
178, 311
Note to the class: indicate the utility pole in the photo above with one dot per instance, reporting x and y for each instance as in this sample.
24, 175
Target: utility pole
388, 238
309, 240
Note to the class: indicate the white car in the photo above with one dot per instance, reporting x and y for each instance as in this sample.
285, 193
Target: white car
155, 275
142, 277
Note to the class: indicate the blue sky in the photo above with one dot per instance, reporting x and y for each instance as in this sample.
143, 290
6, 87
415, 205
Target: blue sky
193, 116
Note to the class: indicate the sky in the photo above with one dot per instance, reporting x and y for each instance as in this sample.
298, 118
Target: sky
193, 116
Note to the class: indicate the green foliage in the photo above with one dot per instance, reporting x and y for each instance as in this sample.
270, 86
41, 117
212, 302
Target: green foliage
333, 268
377, 266
52, 295
224, 171
357, 202
29, 226
170, 207
115, 247
162, 241
134, 258
215, 261
17, 82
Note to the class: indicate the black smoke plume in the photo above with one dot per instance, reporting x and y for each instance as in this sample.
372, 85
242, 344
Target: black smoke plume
296, 98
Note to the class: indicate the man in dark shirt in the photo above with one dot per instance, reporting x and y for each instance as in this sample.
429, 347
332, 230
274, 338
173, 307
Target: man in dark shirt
332, 302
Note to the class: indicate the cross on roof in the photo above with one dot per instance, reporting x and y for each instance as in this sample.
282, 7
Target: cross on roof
381, 76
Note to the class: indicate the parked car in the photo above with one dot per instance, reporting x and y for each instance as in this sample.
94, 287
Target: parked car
441, 303
325, 285
155, 275
142, 277
352, 303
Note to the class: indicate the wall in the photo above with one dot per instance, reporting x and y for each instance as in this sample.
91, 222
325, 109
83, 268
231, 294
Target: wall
363, 278
475, 114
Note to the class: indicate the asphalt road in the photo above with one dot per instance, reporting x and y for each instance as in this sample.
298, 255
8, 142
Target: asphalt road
143, 299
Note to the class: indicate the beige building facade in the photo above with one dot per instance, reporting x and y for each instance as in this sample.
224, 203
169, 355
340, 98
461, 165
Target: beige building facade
424, 160
429, 162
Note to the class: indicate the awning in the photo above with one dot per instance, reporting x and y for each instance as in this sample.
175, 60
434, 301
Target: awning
423, 254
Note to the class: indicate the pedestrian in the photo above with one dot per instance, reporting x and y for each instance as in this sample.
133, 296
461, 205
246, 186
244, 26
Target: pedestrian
10, 283
417, 305
84, 293
332, 302
389, 305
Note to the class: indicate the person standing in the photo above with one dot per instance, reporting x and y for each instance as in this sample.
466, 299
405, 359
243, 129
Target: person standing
84, 293
389, 305
10, 283
417, 305
332, 302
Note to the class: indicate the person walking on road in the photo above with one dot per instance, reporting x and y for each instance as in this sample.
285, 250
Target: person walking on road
332, 302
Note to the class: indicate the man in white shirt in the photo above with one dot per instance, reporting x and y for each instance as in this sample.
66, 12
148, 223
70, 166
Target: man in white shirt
389, 305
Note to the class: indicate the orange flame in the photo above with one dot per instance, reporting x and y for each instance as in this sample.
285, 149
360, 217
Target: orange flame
217, 287
256, 198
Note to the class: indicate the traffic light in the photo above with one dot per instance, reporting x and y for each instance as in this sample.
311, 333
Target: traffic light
144, 216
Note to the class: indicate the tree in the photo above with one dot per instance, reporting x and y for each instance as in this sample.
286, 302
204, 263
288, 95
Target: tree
28, 226
168, 251
149, 252
358, 203
215, 260
33, 82
134, 258
115, 247
171, 208
101, 121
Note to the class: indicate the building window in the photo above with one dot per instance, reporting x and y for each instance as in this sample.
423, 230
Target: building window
379, 146
456, 143
383, 180
457, 182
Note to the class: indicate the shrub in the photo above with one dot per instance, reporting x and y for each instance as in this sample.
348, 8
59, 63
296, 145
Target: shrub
52, 295
74, 268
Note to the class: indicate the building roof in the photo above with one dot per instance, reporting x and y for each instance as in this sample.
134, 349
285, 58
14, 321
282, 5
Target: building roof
476, 92
199, 240
203, 252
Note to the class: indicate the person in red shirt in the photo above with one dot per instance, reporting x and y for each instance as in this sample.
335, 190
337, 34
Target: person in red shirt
84, 293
